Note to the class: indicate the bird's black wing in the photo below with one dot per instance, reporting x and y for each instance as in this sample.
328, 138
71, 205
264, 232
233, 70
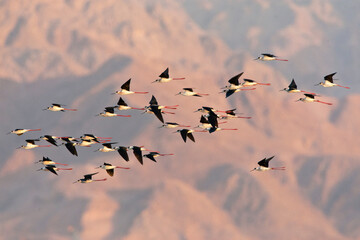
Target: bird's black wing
268, 55
153, 101
229, 92
330, 77
293, 85
235, 80
165, 74
188, 89
107, 164
309, 95
265, 161
231, 112
89, 176
110, 172
70, 146
138, 154
51, 169
150, 156
57, 105
123, 153
203, 119
191, 136
183, 134
109, 109
51, 140
213, 119
121, 102
157, 112
126, 85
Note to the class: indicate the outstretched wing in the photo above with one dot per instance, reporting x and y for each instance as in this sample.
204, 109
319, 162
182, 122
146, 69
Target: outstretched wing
165, 74
123, 153
330, 77
126, 85
293, 85
235, 79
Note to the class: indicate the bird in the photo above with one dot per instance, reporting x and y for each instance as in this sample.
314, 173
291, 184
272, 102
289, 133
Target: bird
88, 143
138, 152
21, 131
88, 178
229, 92
311, 98
264, 165
110, 168
249, 83
269, 57
48, 161
190, 92
125, 89
107, 147
121, 105
153, 155
153, 102
187, 133
53, 169
231, 114
164, 77
292, 88
234, 82
329, 82
204, 123
70, 145
58, 107
110, 112
172, 125
88, 136
30, 144
50, 139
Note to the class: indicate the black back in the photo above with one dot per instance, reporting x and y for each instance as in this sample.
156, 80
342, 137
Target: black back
268, 55
107, 164
235, 79
184, 133
265, 162
203, 119
57, 105
330, 77
309, 95
188, 89
150, 156
121, 102
123, 153
108, 145
110, 172
231, 112
126, 85
165, 74
248, 80
293, 85
213, 119
32, 141
109, 109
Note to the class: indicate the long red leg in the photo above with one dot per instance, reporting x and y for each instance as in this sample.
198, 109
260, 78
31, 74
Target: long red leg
35, 129
64, 168
171, 107
281, 59
44, 145
278, 168
323, 102
308, 92
138, 108
222, 122
178, 78
123, 115
62, 164
243, 117
167, 112
141, 92
123, 167
267, 84
104, 179
69, 109
184, 126
342, 86
229, 129
105, 137
203, 94
166, 154
244, 89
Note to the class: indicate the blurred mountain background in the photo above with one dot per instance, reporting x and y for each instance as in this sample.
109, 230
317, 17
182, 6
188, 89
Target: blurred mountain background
78, 52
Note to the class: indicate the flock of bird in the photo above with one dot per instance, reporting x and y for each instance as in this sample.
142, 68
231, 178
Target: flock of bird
209, 122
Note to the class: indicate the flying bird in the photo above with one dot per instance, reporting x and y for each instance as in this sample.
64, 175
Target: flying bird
59, 107
172, 125
107, 147
164, 77
264, 165
187, 133
229, 92
88, 178
110, 168
48, 161
292, 88
329, 81
231, 114
30, 144
53, 169
50, 139
138, 152
122, 105
153, 155
234, 82
190, 92
269, 57
311, 98
70, 145
125, 89
250, 83
21, 131
110, 112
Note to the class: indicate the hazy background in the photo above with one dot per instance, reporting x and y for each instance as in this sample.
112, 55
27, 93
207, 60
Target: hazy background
78, 52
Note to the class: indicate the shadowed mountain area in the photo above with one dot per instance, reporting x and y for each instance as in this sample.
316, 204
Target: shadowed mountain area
78, 53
